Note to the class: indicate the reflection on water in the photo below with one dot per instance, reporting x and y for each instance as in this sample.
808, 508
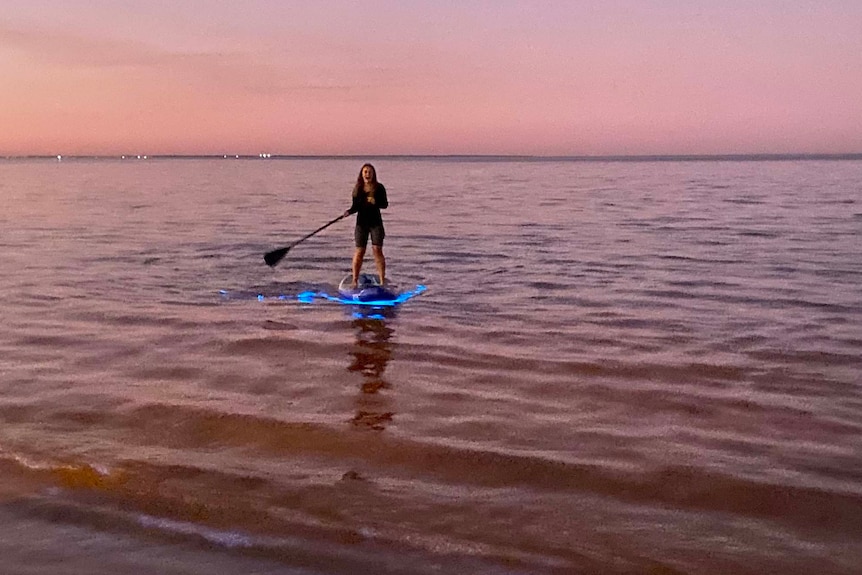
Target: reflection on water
371, 353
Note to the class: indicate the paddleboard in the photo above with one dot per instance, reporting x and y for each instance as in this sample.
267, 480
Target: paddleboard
368, 291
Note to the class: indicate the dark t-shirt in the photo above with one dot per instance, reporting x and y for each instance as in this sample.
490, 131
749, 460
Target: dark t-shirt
368, 215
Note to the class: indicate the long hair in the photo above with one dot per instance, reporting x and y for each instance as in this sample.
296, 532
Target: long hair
360, 183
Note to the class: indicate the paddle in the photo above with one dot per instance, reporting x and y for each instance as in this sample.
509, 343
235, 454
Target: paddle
273, 257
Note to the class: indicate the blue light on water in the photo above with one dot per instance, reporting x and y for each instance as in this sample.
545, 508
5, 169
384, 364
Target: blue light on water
306, 297
401, 298
363, 315
310, 296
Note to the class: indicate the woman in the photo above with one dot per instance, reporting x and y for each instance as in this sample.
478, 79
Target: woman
369, 197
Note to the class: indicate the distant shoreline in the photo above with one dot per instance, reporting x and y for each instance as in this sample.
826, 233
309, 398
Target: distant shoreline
457, 157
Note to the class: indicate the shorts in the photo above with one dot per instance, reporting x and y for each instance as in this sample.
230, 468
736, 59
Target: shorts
360, 234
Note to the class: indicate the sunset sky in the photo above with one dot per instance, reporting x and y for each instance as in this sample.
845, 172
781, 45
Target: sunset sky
576, 77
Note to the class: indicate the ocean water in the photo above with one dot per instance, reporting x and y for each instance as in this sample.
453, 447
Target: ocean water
617, 367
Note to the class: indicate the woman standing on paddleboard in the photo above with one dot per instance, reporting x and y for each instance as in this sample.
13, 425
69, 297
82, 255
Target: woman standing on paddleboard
369, 197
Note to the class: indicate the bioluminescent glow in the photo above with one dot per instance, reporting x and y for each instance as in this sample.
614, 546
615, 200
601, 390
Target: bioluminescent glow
399, 298
311, 297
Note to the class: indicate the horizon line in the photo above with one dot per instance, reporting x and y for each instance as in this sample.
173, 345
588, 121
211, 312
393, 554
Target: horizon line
478, 157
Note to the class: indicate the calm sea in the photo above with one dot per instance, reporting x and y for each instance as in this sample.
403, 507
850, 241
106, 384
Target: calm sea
618, 367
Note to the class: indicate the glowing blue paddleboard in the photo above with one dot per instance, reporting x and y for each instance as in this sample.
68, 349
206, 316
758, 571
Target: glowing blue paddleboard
368, 291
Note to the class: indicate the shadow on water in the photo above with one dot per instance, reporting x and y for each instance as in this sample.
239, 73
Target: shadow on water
371, 353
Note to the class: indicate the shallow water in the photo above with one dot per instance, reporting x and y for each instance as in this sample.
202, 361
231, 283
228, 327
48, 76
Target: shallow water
617, 367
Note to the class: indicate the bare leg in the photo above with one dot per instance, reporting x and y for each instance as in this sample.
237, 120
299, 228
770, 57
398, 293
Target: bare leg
380, 260
358, 256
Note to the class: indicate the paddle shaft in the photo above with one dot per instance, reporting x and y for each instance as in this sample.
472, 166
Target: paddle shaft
275, 256
320, 229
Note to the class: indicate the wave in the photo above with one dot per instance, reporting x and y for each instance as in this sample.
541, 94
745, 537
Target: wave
310, 453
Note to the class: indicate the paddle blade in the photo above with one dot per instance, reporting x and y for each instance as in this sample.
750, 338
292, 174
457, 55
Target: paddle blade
273, 257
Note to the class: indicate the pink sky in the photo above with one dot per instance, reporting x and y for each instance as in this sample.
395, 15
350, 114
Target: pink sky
535, 77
